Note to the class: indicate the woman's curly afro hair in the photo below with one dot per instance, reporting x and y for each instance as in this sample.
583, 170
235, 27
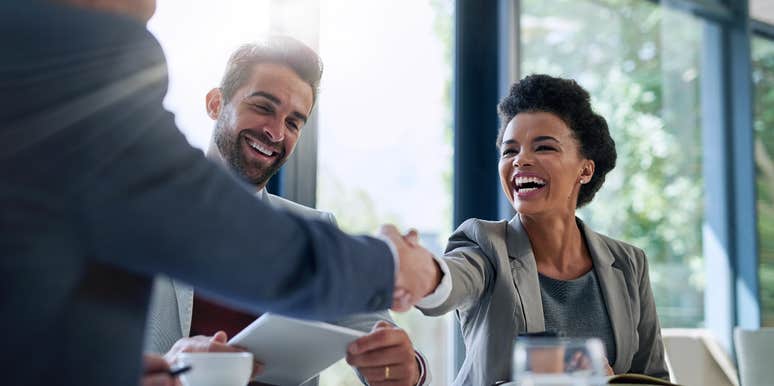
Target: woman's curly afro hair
571, 103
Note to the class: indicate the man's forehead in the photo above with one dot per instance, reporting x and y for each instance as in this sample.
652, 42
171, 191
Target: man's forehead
280, 81
277, 75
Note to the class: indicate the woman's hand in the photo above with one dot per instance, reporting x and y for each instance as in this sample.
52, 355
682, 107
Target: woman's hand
608, 369
580, 361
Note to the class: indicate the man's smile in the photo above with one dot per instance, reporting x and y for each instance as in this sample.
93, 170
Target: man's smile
259, 148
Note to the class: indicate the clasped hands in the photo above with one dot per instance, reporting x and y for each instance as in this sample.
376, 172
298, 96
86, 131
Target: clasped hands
418, 273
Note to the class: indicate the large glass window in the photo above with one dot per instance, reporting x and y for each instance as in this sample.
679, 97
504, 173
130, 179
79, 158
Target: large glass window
763, 78
640, 62
385, 150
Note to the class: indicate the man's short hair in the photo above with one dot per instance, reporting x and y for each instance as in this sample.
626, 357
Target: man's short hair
282, 50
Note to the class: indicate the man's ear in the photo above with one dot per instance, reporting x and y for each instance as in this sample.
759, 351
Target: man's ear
214, 103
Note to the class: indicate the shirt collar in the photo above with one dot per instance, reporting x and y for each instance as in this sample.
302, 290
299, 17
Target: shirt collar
262, 194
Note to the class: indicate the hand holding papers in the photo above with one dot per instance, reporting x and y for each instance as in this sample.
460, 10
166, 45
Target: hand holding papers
386, 355
418, 274
293, 350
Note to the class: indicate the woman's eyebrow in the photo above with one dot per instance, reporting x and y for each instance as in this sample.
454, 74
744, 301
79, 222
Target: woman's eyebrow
546, 138
537, 139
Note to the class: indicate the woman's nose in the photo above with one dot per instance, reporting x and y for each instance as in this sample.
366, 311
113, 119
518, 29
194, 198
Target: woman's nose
522, 159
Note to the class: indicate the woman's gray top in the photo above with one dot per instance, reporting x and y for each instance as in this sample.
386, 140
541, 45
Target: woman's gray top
576, 309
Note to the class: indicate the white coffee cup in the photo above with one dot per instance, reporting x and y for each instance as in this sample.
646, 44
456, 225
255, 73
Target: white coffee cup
217, 369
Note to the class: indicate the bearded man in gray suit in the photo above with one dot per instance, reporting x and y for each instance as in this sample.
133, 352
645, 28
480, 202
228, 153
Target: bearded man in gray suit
264, 100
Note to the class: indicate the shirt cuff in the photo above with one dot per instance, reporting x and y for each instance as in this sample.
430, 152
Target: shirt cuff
442, 292
395, 257
424, 372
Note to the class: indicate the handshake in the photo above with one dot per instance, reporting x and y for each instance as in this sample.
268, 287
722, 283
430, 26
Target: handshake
418, 273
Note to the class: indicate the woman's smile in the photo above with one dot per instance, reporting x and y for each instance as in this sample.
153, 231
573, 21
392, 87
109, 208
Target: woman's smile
527, 185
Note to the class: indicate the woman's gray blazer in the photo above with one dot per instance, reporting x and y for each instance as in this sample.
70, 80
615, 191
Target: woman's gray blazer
496, 295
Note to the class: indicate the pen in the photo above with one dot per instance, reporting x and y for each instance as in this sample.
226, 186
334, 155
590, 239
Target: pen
173, 371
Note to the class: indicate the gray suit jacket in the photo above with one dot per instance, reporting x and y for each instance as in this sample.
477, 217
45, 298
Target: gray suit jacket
169, 317
100, 192
496, 295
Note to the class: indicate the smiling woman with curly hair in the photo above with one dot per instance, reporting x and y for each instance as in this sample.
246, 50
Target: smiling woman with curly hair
545, 270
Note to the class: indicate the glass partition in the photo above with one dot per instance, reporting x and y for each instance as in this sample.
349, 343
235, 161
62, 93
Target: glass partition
197, 52
385, 149
384, 116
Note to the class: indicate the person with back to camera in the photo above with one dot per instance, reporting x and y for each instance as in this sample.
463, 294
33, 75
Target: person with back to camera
546, 270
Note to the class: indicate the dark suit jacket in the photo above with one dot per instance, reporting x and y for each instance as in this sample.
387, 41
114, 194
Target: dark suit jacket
99, 191
496, 295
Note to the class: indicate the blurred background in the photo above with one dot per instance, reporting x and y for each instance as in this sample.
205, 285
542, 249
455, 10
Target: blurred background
405, 127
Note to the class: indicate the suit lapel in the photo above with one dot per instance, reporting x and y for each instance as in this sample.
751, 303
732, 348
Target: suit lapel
184, 295
525, 278
614, 290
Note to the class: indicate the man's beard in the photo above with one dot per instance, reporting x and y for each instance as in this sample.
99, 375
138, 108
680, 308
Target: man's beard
230, 147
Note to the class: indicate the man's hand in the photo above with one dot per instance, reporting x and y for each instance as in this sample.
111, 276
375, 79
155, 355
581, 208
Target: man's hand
418, 274
215, 343
156, 372
385, 357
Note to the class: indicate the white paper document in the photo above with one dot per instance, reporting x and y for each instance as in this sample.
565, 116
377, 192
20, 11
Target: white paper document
293, 350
